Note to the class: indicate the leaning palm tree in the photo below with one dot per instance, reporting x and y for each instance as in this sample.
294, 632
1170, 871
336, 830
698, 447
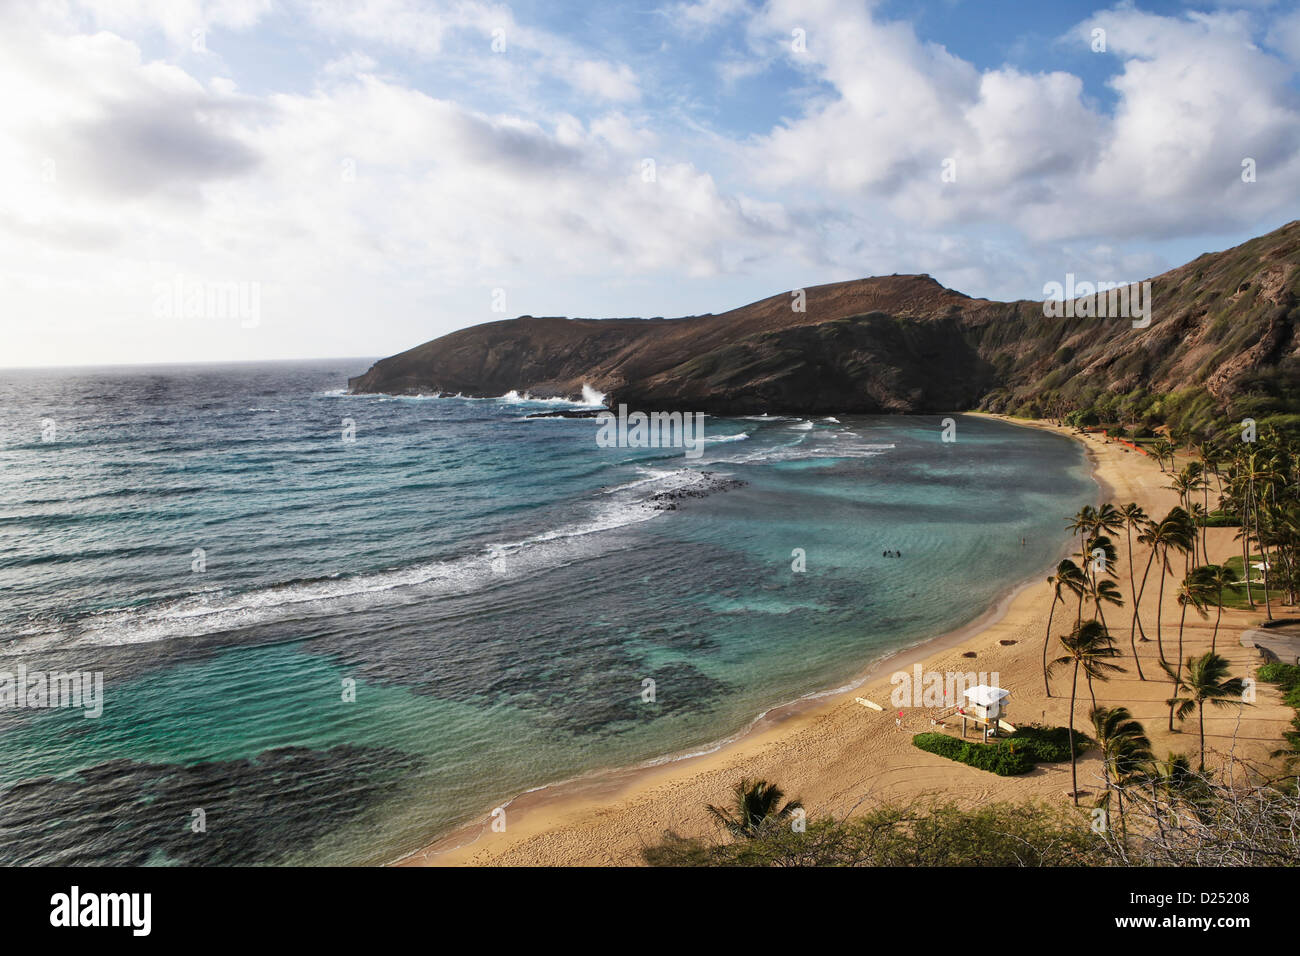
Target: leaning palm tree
1194, 591
1174, 779
1097, 550
755, 804
1200, 517
1162, 450
1206, 680
1134, 517
1067, 577
1125, 753
1182, 483
1083, 521
1103, 592
1106, 519
1172, 532
1218, 576
1090, 647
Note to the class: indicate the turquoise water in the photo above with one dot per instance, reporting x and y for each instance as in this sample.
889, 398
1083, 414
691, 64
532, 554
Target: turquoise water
495, 589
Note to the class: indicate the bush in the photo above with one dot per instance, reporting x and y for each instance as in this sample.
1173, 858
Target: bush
1009, 756
1049, 744
1221, 519
1001, 758
1286, 676
1000, 834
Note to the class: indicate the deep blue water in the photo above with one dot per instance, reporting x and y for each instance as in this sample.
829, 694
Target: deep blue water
497, 589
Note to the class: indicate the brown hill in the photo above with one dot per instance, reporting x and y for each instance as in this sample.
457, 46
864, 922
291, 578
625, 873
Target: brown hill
1223, 334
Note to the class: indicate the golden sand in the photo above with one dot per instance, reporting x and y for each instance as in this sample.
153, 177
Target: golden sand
837, 755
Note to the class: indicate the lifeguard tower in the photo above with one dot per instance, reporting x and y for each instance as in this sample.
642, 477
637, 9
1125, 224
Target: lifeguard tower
987, 707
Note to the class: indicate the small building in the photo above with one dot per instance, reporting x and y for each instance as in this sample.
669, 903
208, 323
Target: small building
986, 706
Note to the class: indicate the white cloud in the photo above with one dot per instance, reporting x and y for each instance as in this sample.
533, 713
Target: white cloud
1195, 98
704, 14
375, 214
363, 188
605, 80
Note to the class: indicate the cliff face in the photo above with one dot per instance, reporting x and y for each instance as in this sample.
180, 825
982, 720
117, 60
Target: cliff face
1225, 326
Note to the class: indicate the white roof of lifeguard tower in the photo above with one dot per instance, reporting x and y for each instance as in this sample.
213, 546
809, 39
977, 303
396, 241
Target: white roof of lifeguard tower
984, 695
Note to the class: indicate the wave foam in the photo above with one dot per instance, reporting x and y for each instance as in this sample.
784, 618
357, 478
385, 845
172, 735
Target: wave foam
216, 611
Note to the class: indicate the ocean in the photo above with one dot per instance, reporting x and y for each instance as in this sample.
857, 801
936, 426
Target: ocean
330, 628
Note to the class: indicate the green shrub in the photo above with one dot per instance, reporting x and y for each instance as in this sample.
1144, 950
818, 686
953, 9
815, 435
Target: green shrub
1048, 744
1009, 756
1221, 519
918, 834
1001, 758
1286, 676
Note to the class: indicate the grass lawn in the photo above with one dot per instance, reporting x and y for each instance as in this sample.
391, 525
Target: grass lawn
1236, 597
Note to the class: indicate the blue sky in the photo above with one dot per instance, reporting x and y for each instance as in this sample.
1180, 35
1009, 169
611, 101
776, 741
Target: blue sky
370, 174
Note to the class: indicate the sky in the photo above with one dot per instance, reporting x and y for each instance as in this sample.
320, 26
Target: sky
229, 180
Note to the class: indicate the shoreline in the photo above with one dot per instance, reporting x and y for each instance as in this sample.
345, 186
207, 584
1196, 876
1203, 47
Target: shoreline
604, 816
613, 780
610, 780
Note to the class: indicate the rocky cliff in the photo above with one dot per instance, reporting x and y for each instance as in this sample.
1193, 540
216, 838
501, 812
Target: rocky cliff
1223, 333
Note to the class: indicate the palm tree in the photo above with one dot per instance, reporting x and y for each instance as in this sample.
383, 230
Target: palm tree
1125, 753
1206, 680
1069, 577
1187, 482
1107, 518
1134, 517
1255, 470
1088, 557
1088, 646
1162, 450
1180, 784
754, 807
1218, 576
1172, 531
1103, 591
1200, 519
1081, 523
1181, 483
1195, 591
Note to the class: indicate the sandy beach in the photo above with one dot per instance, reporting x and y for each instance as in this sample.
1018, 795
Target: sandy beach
837, 755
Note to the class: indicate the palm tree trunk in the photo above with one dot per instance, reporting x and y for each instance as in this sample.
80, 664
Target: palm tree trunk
1200, 708
1137, 604
1215, 636
1182, 619
1205, 525
1132, 587
1160, 603
1263, 553
1074, 760
1245, 546
1178, 672
1046, 640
